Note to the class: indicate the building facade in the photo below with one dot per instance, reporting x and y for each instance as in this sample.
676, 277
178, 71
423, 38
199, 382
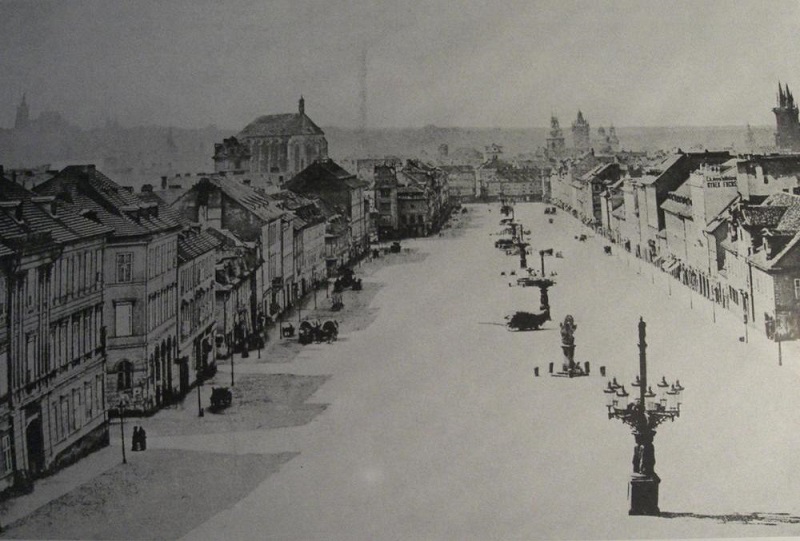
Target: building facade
196, 309
52, 345
281, 146
140, 277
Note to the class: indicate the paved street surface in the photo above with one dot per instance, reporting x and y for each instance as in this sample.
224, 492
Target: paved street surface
428, 422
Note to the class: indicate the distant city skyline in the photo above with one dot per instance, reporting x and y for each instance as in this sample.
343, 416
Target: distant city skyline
508, 65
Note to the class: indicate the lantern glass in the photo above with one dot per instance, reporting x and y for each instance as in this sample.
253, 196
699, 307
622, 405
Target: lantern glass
611, 396
672, 400
650, 402
622, 398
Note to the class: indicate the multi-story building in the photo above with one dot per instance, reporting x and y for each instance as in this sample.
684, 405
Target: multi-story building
342, 192
281, 146
140, 278
386, 203
308, 226
461, 181
228, 204
231, 156
52, 351
238, 265
197, 321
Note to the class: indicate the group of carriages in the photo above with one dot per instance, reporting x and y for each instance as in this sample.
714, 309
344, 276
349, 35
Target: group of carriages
346, 279
316, 331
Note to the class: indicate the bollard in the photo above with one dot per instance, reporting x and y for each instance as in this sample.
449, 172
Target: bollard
536, 371
603, 371
586, 366
551, 368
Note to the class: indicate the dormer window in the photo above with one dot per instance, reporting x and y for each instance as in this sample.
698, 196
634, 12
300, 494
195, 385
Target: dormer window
47, 202
14, 209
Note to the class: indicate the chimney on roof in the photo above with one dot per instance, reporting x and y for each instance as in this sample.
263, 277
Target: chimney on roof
88, 168
147, 188
164, 183
302, 105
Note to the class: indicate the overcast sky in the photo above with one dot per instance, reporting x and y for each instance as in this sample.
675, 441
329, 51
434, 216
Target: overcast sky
503, 63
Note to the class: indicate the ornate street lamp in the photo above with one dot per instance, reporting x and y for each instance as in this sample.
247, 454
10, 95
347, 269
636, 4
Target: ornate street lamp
643, 415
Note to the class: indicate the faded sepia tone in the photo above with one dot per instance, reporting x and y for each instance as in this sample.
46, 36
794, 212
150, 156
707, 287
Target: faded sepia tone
351, 269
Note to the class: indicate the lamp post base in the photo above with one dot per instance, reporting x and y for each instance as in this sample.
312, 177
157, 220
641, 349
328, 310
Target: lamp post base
644, 495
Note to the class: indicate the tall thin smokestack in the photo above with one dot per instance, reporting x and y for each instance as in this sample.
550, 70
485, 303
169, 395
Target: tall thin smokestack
363, 100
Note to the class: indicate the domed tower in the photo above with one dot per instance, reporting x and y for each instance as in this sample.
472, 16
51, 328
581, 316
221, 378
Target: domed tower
580, 134
22, 119
787, 135
555, 143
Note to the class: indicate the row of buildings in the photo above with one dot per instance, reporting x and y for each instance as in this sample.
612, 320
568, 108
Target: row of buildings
727, 226
114, 302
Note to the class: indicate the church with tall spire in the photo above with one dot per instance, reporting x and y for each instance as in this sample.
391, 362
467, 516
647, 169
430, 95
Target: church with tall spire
23, 118
787, 134
580, 134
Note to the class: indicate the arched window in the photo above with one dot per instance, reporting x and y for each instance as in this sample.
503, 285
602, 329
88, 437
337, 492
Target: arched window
124, 375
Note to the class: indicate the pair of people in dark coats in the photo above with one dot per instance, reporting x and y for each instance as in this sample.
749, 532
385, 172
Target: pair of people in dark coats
139, 439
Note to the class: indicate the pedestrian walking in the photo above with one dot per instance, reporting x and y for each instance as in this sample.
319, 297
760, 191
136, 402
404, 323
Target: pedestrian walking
142, 439
135, 439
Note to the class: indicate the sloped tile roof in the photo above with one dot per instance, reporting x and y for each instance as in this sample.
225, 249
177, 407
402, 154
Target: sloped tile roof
762, 216
323, 174
66, 226
193, 243
254, 201
114, 206
676, 207
280, 125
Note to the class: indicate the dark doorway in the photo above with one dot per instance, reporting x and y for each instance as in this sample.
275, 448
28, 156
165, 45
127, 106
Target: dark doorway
34, 439
183, 366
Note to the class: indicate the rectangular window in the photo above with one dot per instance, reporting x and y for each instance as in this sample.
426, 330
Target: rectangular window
64, 417
125, 267
88, 402
55, 423
77, 413
30, 356
5, 450
123, 318
76, 337
98, 392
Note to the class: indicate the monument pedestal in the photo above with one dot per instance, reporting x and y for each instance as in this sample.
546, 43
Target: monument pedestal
644, 495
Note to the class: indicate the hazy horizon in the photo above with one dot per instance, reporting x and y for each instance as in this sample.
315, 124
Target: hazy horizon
508, 64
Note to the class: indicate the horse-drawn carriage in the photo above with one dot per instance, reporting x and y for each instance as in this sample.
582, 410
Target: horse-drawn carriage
287, 330
318, 332
345, 280
527, 321
221, 398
